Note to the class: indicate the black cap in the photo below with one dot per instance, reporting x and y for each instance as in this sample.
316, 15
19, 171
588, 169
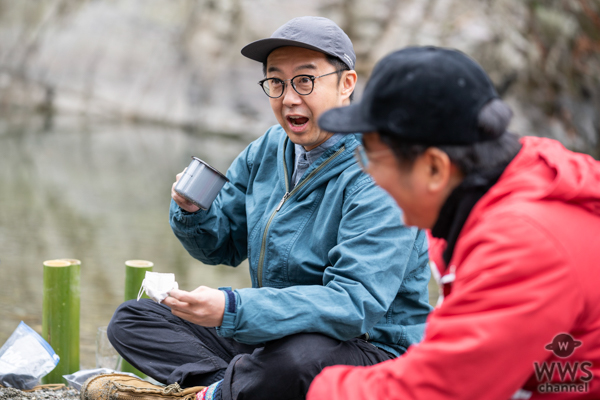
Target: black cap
314, 33
427, 95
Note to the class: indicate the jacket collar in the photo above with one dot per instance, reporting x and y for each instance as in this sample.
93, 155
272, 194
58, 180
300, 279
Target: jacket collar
349, 142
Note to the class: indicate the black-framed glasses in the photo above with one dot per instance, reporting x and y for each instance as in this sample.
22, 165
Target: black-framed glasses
302, 84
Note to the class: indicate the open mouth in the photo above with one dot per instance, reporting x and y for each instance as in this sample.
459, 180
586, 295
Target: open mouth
297, 121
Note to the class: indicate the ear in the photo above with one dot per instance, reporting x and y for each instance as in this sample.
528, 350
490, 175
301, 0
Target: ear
439, 170
347, 84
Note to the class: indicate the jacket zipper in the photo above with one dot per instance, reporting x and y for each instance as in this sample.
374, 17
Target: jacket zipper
287, 195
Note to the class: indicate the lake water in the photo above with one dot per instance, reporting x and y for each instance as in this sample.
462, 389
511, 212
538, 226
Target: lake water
98, 193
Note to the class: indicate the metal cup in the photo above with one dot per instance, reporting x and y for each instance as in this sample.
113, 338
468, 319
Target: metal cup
200, 183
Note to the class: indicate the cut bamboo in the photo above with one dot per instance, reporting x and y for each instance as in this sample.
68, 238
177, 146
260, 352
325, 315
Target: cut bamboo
135, 271
75, 285
61, 296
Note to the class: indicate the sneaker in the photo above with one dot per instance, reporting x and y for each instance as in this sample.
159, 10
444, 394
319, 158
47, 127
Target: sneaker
126, 387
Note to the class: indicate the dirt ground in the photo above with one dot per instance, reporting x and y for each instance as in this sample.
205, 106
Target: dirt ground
57, 394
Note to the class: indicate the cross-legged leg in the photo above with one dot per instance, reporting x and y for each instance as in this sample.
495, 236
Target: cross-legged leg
168, 348
283, 369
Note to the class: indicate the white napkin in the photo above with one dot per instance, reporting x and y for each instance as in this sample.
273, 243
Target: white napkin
157, 285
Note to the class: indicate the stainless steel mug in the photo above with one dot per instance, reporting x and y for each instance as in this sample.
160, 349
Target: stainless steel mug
200, 183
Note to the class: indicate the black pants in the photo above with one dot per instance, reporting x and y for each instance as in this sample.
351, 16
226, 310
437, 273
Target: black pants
170, 349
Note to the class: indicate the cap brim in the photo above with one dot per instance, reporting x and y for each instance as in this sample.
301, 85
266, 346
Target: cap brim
260, 49
345, 120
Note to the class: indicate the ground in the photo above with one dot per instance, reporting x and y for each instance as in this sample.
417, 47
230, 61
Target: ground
58, 394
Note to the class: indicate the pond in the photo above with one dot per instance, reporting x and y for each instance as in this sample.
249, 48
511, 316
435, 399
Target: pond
98, 193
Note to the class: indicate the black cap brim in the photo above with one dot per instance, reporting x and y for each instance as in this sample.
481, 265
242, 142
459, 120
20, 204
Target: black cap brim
347, 119
259, 50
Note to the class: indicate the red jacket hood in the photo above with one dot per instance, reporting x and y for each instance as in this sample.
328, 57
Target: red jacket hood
554, 174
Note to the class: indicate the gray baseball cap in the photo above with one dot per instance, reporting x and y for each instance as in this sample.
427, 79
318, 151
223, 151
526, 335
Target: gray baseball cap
315, 33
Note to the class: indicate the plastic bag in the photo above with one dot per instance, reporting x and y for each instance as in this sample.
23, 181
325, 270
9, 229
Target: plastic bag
25, 358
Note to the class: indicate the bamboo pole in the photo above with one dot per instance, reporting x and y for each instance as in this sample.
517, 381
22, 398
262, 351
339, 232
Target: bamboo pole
135, 271
61, 287
75, 285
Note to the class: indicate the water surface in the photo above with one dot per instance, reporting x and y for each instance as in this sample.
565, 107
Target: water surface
99, 193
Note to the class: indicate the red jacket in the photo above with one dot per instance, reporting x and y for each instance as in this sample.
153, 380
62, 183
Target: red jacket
527, 267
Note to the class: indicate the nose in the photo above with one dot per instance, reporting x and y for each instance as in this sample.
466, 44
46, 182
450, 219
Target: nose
290, 96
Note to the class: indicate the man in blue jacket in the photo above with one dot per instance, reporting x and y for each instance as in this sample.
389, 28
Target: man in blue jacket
336, 277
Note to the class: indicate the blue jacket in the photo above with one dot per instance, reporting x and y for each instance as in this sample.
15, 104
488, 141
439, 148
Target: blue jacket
330, 255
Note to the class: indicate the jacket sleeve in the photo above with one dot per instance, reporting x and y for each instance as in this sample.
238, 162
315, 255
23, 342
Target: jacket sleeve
512, 294
219, 234
367, 269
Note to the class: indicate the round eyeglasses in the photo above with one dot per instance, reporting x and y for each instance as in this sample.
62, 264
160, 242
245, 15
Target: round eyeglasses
302, 84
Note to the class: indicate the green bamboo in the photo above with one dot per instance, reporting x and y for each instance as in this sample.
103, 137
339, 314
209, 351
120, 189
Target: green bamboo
135, 271
75, 312
58, 328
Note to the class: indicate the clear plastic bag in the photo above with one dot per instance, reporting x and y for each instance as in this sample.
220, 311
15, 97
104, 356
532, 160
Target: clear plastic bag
25, 358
